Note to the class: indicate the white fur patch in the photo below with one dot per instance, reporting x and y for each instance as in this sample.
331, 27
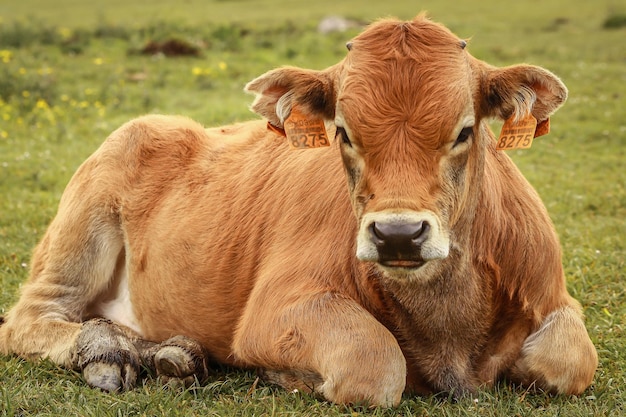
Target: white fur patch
524, 101
283, 106
120, 308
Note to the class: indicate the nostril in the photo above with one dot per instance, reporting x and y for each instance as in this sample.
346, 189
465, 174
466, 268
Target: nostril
378, 236
421, 233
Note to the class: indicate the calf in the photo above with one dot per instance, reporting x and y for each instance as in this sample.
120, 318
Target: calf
407, 255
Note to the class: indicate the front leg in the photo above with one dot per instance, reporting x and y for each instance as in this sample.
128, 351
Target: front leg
559, 357
322, 342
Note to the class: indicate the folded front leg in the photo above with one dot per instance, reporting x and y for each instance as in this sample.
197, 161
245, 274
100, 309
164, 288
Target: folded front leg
559, 357
325, 343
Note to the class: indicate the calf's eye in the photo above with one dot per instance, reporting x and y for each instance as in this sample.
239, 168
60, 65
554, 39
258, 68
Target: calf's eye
464, 135
344, 136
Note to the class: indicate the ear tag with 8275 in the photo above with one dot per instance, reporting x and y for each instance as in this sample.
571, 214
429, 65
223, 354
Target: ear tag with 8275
305, 132
520, 134
517, 134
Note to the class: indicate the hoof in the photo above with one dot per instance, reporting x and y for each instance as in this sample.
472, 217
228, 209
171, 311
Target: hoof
109, 377
106, 356
181, 361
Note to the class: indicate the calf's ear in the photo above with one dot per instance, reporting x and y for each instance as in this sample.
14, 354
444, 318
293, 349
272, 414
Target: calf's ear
277, 91
518, 90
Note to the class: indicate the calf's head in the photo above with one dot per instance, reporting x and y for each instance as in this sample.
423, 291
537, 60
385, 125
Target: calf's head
409, 106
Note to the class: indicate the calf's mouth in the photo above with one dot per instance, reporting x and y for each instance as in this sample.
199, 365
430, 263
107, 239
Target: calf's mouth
403, 263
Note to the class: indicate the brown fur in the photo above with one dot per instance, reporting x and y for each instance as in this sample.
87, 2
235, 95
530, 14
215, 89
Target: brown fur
227, 237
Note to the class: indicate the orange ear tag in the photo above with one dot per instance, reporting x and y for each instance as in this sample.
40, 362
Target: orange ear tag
304, 132
517, 135
543, 128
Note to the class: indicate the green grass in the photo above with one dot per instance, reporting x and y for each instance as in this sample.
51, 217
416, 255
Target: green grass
70, 74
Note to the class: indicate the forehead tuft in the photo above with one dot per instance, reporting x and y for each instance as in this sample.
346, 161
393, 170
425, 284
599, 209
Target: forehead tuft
392, 37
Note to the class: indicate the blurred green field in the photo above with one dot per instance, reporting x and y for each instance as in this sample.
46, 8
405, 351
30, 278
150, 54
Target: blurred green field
71, 72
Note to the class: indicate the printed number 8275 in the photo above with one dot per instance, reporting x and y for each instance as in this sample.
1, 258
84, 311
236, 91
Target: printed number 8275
309, 140
515, 141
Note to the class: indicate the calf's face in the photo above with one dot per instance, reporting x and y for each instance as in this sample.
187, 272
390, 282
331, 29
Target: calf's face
405, 119
409, 103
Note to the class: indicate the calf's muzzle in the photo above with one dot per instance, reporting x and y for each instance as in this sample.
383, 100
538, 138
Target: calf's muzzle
399, 242
404, 239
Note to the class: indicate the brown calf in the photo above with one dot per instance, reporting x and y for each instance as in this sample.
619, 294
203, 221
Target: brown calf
408, 255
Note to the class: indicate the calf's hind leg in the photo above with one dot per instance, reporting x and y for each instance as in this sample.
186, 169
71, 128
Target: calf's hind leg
72, 266
559, 357
46, 321
80, 258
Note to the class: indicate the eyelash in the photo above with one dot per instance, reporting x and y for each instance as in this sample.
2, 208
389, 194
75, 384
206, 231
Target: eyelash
464, 135
344, 136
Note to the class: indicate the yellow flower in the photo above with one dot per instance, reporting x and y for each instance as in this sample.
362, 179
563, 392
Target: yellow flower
222, 65
6, 117
25, 94
6, 55
4, 134
65, 33
41, 104
22, 71
65, 97
201, 72
98, 61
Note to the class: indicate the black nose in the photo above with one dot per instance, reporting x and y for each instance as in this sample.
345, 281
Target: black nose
398, 241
